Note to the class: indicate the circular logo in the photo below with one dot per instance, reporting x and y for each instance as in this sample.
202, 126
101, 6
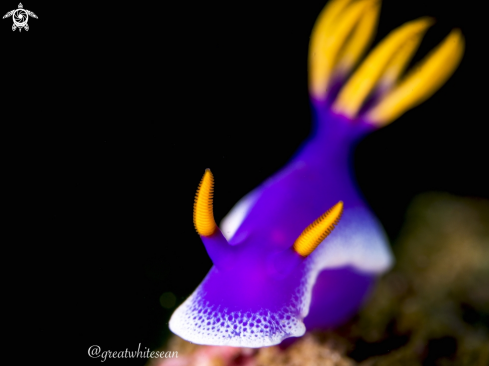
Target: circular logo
20, 17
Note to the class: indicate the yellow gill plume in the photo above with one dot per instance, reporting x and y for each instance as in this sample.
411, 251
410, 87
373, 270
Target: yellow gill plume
315, 233
203, 212
360, 39
398, 64
365, 78
334, 24
424, 80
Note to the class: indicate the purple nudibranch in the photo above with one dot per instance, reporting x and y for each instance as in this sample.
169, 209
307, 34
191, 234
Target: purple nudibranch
301, 251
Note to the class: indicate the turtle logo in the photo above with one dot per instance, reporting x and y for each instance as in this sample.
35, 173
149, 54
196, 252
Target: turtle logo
20, 17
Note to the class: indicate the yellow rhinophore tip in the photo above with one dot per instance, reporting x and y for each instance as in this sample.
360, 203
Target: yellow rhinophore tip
315, 233
332, 28
354, 93
426, 78
203, 216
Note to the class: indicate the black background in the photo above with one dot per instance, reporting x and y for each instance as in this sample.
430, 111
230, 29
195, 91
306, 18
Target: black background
111, 113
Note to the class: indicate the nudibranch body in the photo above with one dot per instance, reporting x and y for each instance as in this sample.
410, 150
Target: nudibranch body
302, 250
